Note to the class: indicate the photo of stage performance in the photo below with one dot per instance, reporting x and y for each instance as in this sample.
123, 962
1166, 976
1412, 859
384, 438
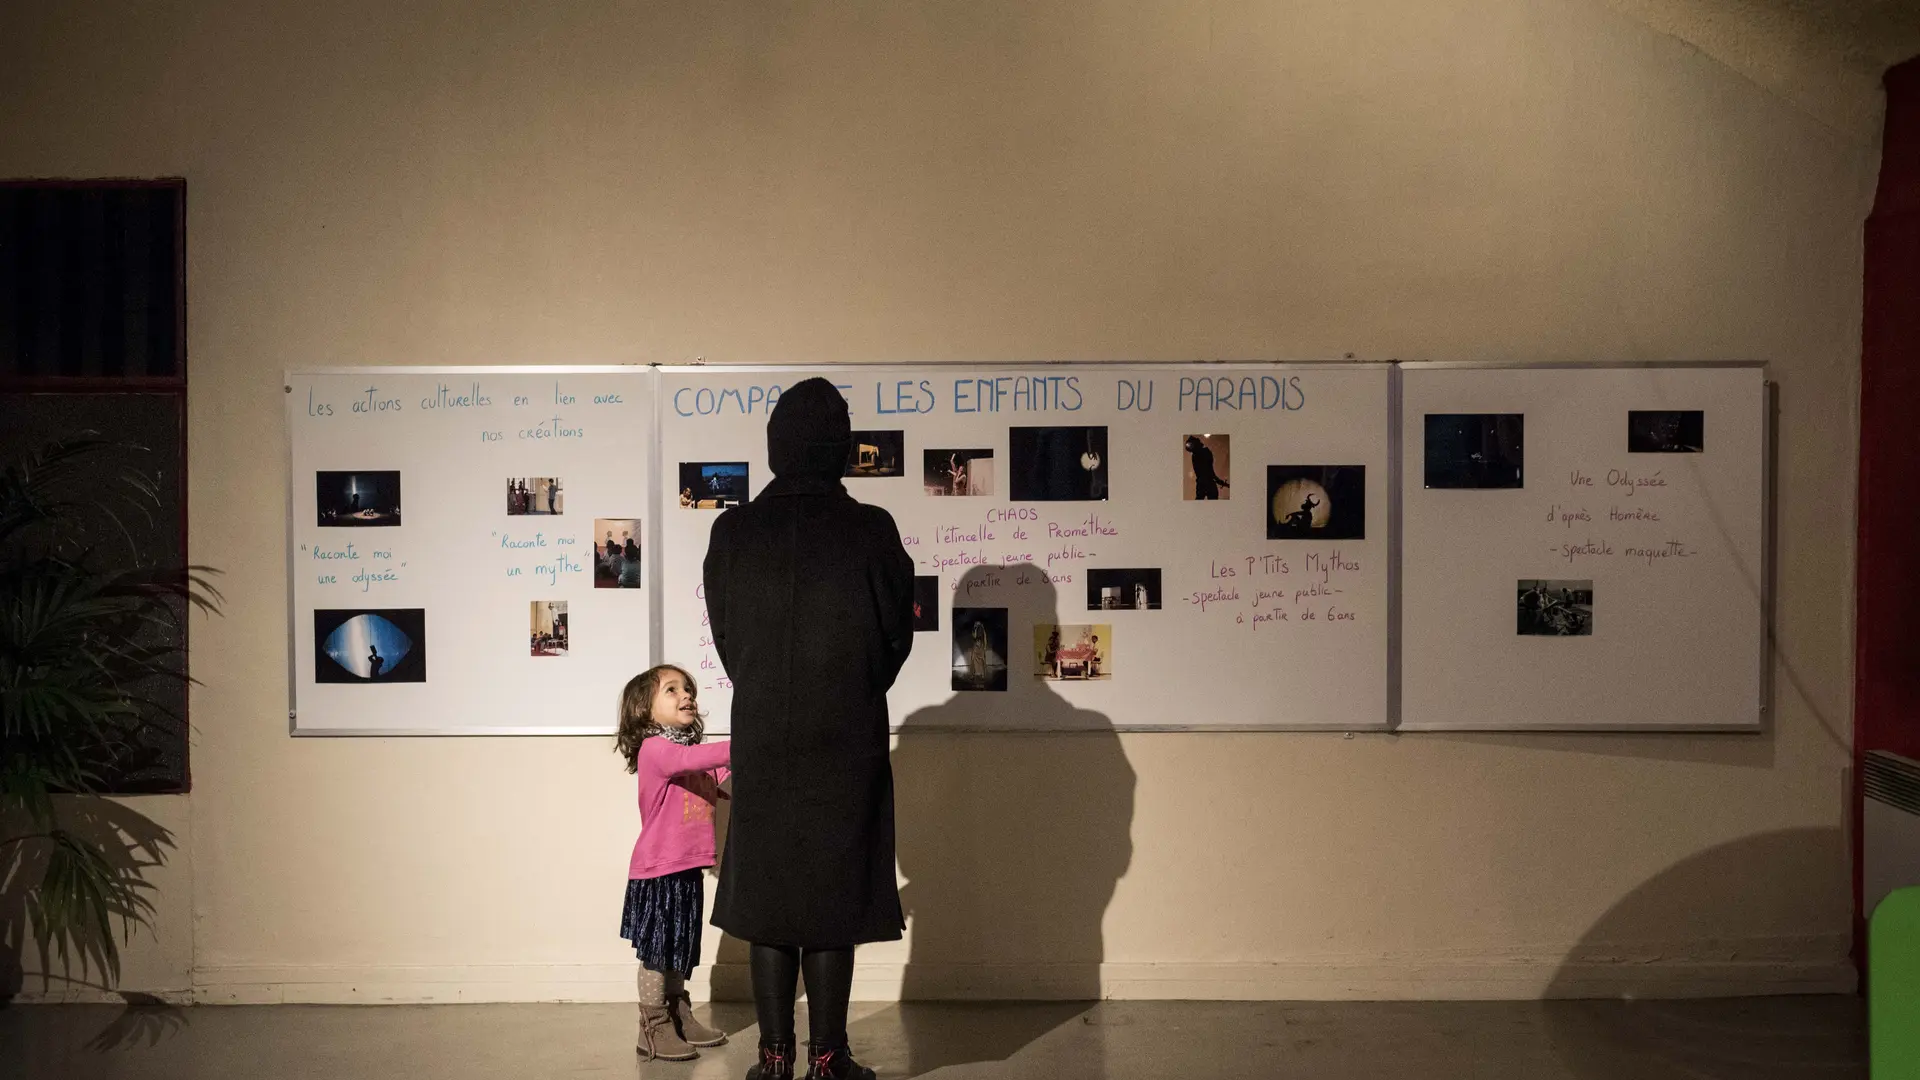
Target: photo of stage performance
1316, 502
357, 499
616, 553
1475, 450
979, 648
1057, 464
926, 604
370, 645
547, 628
1673, 431
712, 485
1073, 653
877, 454
1555, 608
537, 495
957, 472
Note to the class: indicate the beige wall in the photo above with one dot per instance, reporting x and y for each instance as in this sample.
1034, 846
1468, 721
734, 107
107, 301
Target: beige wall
516, 183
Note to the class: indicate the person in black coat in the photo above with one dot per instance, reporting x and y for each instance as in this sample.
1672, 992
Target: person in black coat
810, 600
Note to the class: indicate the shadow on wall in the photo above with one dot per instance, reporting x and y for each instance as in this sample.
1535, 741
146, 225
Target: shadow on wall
1010, 843
1789, 880
130, 843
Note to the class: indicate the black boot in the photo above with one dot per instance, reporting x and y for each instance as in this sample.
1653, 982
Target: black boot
776, 1062
834, 1063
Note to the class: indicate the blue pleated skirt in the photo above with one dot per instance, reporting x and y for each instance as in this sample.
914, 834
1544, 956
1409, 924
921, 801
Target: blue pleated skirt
663, 918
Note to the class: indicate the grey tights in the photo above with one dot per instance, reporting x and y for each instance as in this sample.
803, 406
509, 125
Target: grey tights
659, 987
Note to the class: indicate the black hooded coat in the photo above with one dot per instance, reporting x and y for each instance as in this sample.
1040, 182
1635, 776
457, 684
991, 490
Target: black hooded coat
810, 599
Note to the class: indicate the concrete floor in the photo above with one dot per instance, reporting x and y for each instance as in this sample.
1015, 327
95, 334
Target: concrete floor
1750, 1039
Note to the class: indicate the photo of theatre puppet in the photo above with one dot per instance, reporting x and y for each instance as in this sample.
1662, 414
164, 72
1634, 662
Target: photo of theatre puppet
1475, 450
1316, 502
1203, 477
712, 485
1554, 608
979, 648
1072, 653
356, 499
1057, 464
370, 645
877, 454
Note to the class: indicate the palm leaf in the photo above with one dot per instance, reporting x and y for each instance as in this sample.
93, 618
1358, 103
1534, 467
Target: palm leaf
85, 649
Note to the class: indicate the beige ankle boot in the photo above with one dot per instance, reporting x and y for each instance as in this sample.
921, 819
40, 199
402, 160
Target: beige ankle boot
691, 1029
659, 1039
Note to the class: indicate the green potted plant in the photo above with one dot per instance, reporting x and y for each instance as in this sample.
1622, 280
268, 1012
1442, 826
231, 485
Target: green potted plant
92, 657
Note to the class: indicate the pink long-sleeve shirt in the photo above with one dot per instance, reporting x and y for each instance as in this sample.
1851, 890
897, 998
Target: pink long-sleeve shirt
678, 788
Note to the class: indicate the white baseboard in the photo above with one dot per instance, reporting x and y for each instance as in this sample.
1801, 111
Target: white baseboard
1294, 981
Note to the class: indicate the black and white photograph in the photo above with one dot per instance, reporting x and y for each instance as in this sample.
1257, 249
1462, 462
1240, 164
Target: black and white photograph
1133, 589
957, 472
370, 645
547, 628
1207, 462
616, 553
1670, 431
1475, 450
1555, 608
357, 499
926, 604
535, 495
876, 454
712, 485
1057, 464
979, 648
1316, 502
1065, 652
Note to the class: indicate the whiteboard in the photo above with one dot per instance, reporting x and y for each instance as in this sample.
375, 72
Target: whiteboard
444, 589
1662, 515
1249, 632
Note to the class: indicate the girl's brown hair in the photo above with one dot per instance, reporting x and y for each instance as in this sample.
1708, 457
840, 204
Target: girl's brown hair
636, 723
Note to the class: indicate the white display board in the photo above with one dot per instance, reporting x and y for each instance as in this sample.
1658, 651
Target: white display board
1242, 630
1584, 567
411, 539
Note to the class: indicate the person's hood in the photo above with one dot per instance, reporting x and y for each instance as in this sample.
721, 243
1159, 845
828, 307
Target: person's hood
809, 434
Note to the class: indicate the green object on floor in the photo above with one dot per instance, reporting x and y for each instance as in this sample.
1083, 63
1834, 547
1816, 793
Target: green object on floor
1893, 987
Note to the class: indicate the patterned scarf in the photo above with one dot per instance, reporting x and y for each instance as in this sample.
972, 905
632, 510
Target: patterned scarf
685, 736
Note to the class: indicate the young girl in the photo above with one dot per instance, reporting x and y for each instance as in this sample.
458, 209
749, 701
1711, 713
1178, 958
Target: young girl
680, 777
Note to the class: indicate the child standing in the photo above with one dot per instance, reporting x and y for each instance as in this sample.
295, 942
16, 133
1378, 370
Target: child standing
680, 776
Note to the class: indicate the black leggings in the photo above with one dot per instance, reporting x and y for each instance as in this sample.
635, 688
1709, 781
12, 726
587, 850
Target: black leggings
776, 971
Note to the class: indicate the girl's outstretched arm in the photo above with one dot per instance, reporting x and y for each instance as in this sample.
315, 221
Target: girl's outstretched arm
665, 758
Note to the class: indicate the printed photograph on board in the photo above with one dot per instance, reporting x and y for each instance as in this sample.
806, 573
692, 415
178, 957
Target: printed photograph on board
1057, 464
548, 627
979, 648
616, 553
356, 499
957, 472
540, 495
712, 485
1072, 653
926, 604
370, 645
1672, 431
1136, 589
1204, 477
1316, 502
1475, 450
1555, 608
877, 454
